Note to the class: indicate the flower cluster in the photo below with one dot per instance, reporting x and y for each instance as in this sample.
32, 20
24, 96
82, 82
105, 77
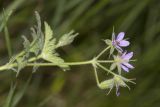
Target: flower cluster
120, 61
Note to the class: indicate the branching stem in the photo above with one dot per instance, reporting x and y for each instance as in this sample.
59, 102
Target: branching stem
102, 52
9, 66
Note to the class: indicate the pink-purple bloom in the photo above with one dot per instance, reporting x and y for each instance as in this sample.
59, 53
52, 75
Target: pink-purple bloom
122, 62
125, 61
119, 42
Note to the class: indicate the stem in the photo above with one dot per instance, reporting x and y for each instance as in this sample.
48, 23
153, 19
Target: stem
5, 67
133, 60
34, 58
96, 75
102, 52
66, 63
7, 36
8, 42
105, 61
8, 66
104, 68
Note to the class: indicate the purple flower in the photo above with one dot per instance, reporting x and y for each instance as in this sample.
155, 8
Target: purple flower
122, 61
125, 63
119, 42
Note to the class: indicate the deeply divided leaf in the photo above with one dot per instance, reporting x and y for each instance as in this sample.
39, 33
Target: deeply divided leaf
38, 37
49, 52
66, 39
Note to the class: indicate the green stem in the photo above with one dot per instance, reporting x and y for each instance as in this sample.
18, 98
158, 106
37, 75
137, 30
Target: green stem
7, 36
8, 66
133, 60
96, 75
105, 61
8, 42
102, 52
104, 68
34, 58
66, 63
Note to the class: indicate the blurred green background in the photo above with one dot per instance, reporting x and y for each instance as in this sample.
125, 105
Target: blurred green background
94, 20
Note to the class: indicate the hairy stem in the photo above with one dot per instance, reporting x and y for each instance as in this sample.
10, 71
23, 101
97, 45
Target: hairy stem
66, 63
104, 68
96, 76
9, 66
8, 42
102, 52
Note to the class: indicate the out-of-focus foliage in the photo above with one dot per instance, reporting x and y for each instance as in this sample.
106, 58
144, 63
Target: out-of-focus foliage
94, 20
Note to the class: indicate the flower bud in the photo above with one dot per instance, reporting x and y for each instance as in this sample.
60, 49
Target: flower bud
107, 84
117, 81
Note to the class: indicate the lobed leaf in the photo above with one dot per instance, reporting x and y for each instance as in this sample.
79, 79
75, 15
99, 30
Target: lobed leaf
38, 37
26, 45
48, 52
66, 39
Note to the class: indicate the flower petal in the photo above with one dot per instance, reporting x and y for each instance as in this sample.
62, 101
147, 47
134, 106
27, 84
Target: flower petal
117, 90
123, 54
128, 56
128, 65
123, 43
124, 68
120, 36
119, 48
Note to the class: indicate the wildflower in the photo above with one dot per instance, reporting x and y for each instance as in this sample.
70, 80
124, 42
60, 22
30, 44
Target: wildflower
122, 62
119, 42
117, 81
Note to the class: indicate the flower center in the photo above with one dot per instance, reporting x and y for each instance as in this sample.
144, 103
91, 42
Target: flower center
115, 42
118, 59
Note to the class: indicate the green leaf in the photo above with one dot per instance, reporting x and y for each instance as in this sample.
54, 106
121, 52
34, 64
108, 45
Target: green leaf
6, 32
7, 16
26, 45
35, 47
10, 96
38, 37
54, 58
49, 44
18, 96
48, 52
66, 39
